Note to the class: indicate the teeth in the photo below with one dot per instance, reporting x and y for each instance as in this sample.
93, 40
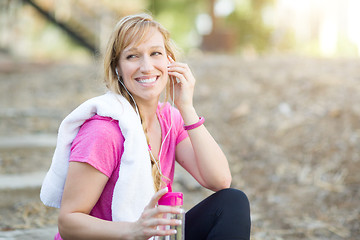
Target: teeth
148, 80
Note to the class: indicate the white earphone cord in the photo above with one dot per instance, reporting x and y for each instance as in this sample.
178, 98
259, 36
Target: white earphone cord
118, 77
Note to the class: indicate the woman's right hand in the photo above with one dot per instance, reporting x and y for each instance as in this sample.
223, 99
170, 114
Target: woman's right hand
152, 217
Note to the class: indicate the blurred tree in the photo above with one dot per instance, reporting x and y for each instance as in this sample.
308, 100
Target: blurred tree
178, 16
248, 24
222, 36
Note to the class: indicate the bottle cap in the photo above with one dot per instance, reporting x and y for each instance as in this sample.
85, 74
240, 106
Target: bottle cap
171, 199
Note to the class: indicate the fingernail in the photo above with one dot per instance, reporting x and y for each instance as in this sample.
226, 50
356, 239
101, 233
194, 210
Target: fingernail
174, 231
178, 222
180, 210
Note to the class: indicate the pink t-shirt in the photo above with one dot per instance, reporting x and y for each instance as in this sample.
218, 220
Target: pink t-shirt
100, 143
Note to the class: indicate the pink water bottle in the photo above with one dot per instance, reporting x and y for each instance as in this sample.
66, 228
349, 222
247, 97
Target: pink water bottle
174, 199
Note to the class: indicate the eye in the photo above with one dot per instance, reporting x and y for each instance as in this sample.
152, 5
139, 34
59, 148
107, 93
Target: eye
156, 53
131, 56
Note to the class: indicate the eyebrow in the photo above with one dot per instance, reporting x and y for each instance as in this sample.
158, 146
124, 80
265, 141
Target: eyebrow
136, 49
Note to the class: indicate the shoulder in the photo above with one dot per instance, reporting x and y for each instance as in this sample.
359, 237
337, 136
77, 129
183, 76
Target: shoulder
102, 128
99, 122
99, 143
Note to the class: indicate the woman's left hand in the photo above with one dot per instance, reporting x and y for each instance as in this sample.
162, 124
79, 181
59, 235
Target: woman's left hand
184, 86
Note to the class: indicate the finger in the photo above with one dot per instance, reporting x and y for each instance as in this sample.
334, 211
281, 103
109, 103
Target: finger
170, 59
166, 232
174, 79
160, 232
154, 222
175, 68
183, 70
156, 197
169, 209
160, 210
179, 77
179, 64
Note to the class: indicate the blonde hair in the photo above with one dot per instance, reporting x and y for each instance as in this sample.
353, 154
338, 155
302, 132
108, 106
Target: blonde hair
134, 29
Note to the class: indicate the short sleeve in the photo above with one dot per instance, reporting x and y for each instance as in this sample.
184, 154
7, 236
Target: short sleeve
99, 143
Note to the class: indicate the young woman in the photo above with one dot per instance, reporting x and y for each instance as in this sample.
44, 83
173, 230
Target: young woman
116, 152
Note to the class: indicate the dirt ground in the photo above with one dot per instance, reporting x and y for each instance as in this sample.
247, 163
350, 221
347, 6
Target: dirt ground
288, 124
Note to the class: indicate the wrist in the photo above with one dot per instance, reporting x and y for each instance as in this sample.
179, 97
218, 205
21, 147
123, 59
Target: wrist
189, 115
195, 125
131, 231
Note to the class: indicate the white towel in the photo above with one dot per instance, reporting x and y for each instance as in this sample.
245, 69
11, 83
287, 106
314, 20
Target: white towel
134, 188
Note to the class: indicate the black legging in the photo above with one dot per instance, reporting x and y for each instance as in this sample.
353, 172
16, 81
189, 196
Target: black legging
225, 215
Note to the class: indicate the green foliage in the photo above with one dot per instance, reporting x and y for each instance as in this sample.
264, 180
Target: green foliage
248, 25
178, 16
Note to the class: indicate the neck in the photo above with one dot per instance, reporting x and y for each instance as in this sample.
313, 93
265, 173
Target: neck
148, 112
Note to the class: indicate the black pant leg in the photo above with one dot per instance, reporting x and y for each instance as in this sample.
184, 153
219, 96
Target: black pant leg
225, 215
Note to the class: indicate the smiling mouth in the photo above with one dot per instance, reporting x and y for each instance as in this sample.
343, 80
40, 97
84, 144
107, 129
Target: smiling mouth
146, 80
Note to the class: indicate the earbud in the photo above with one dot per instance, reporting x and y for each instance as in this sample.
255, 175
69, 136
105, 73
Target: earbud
118, 77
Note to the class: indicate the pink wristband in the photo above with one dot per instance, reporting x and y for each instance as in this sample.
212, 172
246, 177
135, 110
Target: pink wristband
195, 125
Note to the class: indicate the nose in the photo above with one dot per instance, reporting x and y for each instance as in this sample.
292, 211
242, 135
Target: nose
146, 65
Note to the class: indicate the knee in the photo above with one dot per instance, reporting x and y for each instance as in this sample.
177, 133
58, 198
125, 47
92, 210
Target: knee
235, 205
232, 193
234, 198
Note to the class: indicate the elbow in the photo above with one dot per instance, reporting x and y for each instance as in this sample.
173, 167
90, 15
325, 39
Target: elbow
62, 226
226, 183
223, 183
